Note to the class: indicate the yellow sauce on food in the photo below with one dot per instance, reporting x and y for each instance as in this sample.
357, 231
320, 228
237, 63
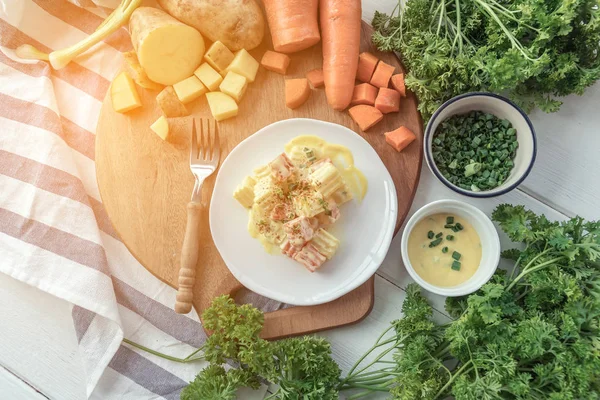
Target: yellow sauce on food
254, 233
341, 157
434, 266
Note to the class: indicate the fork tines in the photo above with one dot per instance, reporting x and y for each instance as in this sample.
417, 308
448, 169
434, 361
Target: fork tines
207, 148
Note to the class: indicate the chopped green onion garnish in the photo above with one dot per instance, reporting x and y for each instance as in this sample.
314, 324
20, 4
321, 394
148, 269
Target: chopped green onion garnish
450, 237
459, 226
449, 220
430, 235
439, 235
456, 265
435, 242
449, 226
456, 255
445, 250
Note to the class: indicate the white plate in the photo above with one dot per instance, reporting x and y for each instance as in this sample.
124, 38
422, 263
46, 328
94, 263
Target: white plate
365, 230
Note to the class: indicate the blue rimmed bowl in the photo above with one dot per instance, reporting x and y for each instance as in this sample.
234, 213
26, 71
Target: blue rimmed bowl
502, 108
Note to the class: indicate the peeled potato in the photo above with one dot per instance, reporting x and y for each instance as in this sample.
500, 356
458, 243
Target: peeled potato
168, 50
238, 24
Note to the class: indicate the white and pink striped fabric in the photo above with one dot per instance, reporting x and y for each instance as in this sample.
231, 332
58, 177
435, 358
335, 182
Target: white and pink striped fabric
54, 232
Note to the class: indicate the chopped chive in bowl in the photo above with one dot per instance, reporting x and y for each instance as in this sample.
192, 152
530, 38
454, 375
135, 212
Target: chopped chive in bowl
475, 151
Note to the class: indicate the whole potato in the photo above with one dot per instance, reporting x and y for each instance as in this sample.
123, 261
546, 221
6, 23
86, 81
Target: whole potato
238, 24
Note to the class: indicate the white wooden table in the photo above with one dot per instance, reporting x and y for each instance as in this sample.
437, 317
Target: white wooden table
38, 347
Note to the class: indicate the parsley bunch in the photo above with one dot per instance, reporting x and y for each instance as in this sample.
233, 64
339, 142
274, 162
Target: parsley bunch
302, 367
533, 51
533, 333
530, 333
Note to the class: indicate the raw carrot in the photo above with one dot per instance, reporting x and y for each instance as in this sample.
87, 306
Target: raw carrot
364, 93
398, 84
340, 26
293, 24
381, 76
297, 92
387, 101
366, 65
275, 62
400, 138
315, 77
365, 116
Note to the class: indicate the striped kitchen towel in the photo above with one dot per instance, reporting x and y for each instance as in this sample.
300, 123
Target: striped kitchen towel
54, 231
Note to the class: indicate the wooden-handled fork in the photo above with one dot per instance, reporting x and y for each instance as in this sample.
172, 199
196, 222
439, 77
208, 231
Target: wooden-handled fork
204, 159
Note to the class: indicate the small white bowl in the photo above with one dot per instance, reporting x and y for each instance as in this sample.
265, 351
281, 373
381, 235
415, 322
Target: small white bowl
490, 242
501, 107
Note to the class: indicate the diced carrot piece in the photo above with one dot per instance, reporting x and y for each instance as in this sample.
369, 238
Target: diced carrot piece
315, 77
364, 93
400, 138
366, 65
387, 101
398, 84
365, 116
297, 92
275, 62
383, 73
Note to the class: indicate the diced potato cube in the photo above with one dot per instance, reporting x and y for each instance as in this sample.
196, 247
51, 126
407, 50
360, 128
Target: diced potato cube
234, 85
137, 72
221, 105
161, 127
169, 103
218, 56
123, 94
189, 89
244, 64
208, 76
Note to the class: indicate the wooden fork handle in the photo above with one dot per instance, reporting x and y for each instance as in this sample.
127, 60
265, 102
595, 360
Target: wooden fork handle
189, 259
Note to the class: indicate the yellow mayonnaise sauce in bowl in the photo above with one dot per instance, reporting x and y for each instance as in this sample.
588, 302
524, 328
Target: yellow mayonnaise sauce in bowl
450, 248
434, 263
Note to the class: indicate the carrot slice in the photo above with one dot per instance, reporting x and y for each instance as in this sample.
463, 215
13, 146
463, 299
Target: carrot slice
315, 77
400, 138
387, 101
297, 92
398, 84
294, 25
366, 65
365, 116
364, 93
381, 76
275, 62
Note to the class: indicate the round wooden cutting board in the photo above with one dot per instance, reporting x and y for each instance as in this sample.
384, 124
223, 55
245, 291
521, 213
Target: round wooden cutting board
146, 183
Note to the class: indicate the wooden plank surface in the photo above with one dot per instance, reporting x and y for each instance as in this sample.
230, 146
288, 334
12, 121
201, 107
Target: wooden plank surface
568, 146
146, 184
38, 342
